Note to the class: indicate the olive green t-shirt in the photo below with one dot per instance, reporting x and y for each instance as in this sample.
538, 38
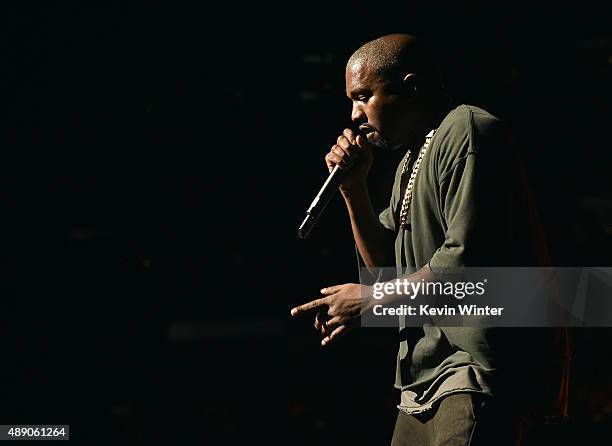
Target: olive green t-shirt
468, 209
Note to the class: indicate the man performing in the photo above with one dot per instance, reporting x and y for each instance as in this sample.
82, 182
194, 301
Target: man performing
458, 200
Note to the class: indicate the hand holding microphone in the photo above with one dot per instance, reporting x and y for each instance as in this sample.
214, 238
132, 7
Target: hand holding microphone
349, 162
353, 156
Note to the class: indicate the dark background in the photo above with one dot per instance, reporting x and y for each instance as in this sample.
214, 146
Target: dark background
156, 161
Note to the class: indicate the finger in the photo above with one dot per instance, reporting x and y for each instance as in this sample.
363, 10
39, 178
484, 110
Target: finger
347, 155
319, 319
337, 156
325, 330
310, 306
350, 135
348, 146
340, 151
334, 322
341, 154
334, 334
329, 162
343, 142
331, 289
362, 141
329, 325
322, 322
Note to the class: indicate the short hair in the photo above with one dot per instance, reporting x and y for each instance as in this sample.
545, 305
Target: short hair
395, 55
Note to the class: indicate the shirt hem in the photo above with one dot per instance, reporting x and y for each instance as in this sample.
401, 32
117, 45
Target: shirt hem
430, 404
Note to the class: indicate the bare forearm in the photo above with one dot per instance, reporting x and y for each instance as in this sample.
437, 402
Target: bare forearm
401, 292
368, 233
420, 277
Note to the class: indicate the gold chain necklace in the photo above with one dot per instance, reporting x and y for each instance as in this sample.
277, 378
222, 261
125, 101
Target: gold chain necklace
407, 200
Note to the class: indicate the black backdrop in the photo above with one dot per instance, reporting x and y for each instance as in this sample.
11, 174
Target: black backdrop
156, 161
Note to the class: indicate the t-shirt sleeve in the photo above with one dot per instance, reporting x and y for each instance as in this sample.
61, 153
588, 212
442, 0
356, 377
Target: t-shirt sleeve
474, 202
457, 194
387, 219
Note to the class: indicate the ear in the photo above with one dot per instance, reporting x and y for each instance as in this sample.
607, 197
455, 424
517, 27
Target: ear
410, 82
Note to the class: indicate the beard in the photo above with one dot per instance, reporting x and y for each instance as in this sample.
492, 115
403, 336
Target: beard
374, 137
378, 141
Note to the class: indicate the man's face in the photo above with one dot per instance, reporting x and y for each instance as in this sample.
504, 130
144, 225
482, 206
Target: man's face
379, 108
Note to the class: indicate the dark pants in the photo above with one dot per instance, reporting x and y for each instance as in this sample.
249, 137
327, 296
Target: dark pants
462, 419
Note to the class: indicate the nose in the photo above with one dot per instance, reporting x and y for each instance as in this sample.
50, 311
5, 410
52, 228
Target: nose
357, 114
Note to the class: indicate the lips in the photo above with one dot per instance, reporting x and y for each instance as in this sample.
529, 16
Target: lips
366, 129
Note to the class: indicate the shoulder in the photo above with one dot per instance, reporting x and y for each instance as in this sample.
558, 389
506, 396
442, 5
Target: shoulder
467, 120
463, 131
485, 124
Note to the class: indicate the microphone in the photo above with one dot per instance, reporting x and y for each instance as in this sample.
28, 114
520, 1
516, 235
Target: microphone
320, 202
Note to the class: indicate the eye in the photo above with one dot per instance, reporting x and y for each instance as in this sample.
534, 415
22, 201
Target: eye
363, 98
